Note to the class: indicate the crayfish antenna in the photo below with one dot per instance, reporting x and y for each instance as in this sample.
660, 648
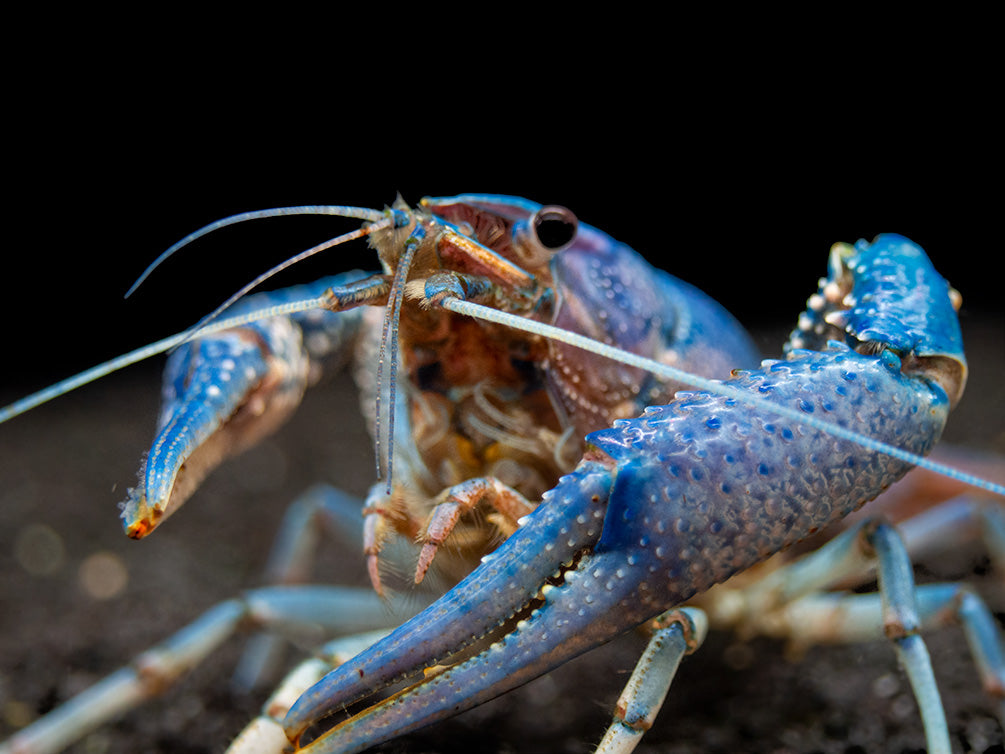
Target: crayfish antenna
145, 352
358, 213
379, 220
306, 254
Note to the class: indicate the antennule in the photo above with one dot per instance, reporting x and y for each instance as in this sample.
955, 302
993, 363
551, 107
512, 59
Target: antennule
248, 287
358, 213
392, 315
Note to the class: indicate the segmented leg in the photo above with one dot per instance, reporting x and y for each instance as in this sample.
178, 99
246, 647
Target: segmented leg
510, 507
303, 610
902, 625
674, 634
264, 735
785, 610
786, 604
384, 515
321, 508
831, 618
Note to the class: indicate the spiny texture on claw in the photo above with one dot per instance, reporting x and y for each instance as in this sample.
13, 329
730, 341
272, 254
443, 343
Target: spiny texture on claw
887, 293
699, 490
500, 587
224, 392
661, 507
912, 318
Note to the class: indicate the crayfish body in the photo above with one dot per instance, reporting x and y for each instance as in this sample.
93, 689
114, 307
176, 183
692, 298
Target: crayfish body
620, 496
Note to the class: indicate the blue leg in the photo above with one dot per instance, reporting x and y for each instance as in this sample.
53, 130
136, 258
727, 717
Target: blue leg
302, 611
321, 508
902, 624
788, 603
674, 634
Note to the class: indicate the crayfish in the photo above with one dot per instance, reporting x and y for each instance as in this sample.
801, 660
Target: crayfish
560, 472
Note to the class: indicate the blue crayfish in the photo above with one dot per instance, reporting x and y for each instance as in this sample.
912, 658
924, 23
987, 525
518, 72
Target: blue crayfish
621, 499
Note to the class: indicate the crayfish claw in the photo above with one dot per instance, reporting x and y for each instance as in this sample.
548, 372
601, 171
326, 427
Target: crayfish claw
223, 393
662, 507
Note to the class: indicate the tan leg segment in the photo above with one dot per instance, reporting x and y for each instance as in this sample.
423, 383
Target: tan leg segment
463, 498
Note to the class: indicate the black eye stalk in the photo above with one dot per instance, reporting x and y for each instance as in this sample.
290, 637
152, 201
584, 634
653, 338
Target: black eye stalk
554, 227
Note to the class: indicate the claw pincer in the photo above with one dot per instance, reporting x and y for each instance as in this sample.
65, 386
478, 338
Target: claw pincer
666, 505
224, 393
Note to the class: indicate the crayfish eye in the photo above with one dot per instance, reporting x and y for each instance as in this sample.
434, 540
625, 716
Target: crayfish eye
554, 227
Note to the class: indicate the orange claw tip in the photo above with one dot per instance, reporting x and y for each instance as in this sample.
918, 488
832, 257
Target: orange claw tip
138, 517
139, 529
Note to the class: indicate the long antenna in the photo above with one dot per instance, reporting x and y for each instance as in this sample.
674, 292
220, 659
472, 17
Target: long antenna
358, 213
248, 287
161, 346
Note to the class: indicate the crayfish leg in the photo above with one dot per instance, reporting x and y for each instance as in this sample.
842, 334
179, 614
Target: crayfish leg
510, 507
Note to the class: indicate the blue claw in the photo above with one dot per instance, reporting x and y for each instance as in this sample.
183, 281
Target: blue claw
225, 392
662, 507
501, 587
887, 294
